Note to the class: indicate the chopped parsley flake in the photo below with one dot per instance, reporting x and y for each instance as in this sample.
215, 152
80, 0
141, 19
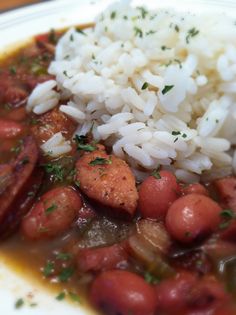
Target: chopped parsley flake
71, 38
176, 28
164, 48
191, 33
184, 135
77, 183
224, 225
51, 209
100, 161
82, 145
156, 174
150, 278
74, 297
48, 269
175, 133
144, 86
143, 11
179, 63
60, 296
78, 30
176, 139
12, 70
227, 213
19, 303
56, 170
113, 15
150, 32
65, 274
66, 74
138, 32
166, 89
24, 161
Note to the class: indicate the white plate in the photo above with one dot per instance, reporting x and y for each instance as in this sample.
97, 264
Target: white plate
17, 26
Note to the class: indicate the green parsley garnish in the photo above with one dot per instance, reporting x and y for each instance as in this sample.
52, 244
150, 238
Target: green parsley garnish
150, 278
64, 256
65, 274
176, 28
78, 30
143, 12
175, 133
191, 33
227, 213
164, 48
56, 170
144, 86
12, 70
19, 303
224, 225
77, 183
71, 37
74, 297
100, 161
82, 145
176, 139
184, 135
50, 209
24, 161
60, 296
48, 269
150, 32
156, 174
166, 89
113, 15
138, 32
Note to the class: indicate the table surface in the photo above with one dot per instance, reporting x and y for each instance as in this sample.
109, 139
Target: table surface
9, 4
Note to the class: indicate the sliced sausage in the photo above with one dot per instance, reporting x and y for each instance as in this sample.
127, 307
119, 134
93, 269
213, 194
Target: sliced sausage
18, 175
109, 181
52, 215
10, 129
123, 293
52, 122
102, 259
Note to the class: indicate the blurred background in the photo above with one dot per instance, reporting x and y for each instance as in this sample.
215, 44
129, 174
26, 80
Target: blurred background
10, 4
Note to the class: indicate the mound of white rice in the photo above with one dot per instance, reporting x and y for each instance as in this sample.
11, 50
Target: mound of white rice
159, 87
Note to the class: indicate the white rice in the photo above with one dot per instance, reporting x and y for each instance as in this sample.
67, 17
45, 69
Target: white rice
56, 146
160, 87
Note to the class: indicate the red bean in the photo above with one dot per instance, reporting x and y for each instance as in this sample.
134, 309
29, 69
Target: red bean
226, 190
157, 194
192, 217
172, 293
21, 171
10, 129
53, 214
101, 259
207, 295
194, 189
123, 293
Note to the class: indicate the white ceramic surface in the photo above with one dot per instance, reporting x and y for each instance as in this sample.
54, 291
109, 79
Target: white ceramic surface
18, 25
